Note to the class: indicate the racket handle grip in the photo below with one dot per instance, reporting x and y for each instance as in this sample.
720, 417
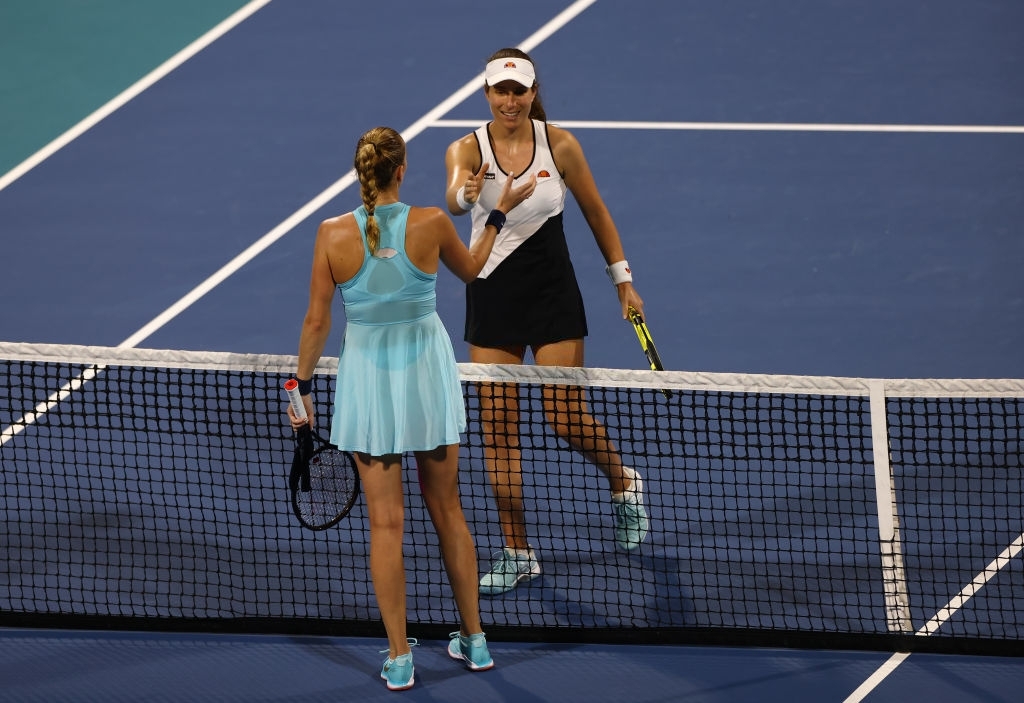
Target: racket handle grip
291, 386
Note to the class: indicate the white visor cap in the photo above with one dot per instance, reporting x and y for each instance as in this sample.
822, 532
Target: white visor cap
510, 69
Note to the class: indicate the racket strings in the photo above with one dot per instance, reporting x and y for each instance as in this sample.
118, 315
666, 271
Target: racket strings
331, 489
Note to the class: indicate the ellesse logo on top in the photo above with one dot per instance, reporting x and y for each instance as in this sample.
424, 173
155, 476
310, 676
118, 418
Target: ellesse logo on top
543, 173
510, 64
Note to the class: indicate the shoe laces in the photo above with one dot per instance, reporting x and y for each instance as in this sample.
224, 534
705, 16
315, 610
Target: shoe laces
413, 642
504, 562
626, 512
511, 562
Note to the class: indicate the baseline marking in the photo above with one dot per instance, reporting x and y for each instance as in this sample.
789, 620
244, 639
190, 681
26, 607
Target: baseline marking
307, 210
763, 126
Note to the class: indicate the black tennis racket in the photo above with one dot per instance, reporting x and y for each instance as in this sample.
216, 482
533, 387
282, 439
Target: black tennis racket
647, 343
324, 481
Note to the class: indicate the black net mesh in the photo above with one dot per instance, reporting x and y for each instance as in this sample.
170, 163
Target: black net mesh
145, 488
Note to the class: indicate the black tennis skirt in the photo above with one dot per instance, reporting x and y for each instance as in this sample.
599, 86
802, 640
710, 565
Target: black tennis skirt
531, 298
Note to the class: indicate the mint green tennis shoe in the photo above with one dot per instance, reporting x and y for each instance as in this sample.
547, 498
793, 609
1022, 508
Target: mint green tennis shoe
472, 650
631, 523
509, 569
398, 673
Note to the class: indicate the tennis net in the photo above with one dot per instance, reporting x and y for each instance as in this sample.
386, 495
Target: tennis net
148, 489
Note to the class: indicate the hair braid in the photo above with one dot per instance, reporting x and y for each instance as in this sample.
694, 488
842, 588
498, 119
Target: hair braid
379, 153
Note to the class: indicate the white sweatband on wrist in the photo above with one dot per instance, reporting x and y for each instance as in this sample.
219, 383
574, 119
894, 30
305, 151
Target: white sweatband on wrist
460, 199
619, 272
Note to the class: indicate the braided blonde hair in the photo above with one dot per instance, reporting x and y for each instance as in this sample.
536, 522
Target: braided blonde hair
379, 152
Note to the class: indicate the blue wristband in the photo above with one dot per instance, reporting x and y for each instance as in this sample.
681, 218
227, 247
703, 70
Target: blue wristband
496, 219
305, 387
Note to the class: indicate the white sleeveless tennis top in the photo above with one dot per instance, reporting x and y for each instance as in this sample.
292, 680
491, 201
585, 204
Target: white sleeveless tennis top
526, 218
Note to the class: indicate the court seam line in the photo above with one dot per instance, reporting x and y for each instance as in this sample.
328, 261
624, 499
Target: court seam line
763, 126
127, 95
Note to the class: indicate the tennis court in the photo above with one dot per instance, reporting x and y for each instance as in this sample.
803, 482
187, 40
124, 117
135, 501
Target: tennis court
790, 201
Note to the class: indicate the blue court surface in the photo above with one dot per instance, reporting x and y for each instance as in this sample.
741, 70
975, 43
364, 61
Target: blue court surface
806, 187
57, 666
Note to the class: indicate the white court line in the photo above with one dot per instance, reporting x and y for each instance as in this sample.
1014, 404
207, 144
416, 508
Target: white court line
973, 587
414, 130
142, 84
871, 682
763, 126
277, 232
430, 119
939, 619
896, 659
78, 130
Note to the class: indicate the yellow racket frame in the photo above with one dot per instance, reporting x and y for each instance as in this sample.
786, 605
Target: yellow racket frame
647, 344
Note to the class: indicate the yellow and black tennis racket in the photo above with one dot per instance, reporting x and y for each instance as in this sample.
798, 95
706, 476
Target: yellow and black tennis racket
647, 344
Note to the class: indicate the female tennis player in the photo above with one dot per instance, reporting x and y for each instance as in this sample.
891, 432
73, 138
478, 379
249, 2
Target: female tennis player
398, 386
527, 298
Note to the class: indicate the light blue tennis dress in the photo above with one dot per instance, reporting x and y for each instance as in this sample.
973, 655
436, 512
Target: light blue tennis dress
398, 385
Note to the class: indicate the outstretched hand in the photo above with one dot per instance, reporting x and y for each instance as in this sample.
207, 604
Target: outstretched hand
474, 183
510, 197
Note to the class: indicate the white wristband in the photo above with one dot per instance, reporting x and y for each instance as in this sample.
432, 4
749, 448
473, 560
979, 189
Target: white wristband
619, 272
460, 199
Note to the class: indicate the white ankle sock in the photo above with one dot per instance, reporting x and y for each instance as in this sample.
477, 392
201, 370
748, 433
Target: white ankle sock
633, 476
